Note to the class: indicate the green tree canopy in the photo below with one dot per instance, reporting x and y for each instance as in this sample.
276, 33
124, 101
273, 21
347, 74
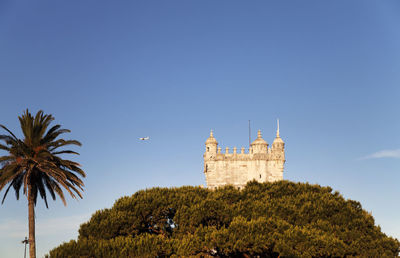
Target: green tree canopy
281, 219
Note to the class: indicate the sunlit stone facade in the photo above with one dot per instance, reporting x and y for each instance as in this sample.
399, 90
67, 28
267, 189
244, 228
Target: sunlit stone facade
236, 168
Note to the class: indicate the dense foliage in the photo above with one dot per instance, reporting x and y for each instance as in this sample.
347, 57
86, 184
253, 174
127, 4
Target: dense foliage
267, 220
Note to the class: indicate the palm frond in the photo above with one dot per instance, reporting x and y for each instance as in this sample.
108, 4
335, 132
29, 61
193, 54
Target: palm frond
4, 147
50, 188
65, 152
34, 192
72, 186
50, 132
17, 183
8, 140
52, 136
26, 123
8, 173
66, 186
6, 158
59, 192
5, 128
34, 163
5, 194
61, 142
74, 179
42, 190
78, 170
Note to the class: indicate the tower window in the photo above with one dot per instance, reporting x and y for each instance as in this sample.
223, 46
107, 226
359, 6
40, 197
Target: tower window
208, 148
206, 168
260, 175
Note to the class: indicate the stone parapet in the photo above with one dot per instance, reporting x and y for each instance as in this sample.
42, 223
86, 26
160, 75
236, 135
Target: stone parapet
259, 163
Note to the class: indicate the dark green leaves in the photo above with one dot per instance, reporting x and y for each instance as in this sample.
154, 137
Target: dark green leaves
282, 219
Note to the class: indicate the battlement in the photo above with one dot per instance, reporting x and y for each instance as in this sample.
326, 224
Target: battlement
236, 167
235, 151
244, 154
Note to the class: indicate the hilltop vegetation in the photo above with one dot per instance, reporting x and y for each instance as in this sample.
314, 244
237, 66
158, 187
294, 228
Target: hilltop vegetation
269, 220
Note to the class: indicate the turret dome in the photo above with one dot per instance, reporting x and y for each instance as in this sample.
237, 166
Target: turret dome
278, 139
211, 139
259, 140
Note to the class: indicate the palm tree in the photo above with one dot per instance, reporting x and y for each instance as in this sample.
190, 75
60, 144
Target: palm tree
34, 163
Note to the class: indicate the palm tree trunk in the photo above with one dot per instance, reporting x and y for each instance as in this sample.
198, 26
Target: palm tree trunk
31, 219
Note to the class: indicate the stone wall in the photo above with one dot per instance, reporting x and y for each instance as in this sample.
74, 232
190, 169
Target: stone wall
261, 163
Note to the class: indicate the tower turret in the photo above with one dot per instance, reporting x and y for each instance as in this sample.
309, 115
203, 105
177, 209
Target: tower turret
259, 145
209, 158
277, 157
278, 145
211, 147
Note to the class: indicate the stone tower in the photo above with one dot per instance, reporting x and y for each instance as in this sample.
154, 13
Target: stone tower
260, 163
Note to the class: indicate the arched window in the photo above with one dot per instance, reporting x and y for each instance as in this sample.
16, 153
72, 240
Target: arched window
208, 148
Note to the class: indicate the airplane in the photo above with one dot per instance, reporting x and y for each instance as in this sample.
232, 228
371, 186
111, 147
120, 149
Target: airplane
144, 138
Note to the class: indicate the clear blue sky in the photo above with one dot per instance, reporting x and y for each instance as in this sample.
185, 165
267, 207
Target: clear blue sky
113, 71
